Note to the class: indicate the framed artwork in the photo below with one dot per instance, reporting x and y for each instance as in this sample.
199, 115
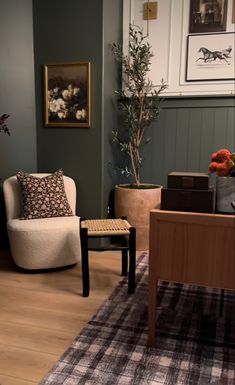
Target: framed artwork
207, 16
210, 57
233, 12
67, 95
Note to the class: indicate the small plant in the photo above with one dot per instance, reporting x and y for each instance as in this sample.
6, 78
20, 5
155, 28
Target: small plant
223, 163
3, 126
139, 100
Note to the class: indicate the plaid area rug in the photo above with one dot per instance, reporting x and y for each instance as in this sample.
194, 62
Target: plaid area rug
195, 339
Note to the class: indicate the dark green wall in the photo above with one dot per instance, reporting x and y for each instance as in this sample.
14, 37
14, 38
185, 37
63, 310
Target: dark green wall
73, 32
112, 32
17, 87
17, 98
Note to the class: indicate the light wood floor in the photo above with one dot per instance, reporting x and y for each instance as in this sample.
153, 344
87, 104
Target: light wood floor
41, 314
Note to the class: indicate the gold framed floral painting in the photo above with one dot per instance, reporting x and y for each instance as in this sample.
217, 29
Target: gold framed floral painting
67, 94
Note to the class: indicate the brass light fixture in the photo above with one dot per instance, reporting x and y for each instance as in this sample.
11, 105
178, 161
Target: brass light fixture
150, 12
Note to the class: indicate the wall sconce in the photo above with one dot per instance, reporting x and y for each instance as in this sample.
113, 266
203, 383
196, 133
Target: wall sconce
149, 12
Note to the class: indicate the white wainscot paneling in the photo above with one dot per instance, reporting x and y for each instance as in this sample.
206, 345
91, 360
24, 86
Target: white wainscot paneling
168, 37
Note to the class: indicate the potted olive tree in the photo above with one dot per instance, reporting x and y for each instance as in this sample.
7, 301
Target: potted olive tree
139, 103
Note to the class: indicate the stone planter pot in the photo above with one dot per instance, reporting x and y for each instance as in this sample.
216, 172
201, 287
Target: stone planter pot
136, 204
225, 194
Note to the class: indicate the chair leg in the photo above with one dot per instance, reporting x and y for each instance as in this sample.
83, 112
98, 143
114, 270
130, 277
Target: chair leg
85, 262
132, 260
124, 262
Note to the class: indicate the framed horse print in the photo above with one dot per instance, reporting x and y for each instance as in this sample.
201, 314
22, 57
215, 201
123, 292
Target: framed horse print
233, 12
210, 57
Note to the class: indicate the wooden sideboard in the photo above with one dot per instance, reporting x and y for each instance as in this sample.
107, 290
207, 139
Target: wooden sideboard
186, 247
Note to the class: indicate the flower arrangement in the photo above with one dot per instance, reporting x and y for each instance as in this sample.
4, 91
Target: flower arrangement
65, 102
223, 163
3, 126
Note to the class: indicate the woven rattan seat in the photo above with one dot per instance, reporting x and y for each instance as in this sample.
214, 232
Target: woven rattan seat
109, 228
105, 227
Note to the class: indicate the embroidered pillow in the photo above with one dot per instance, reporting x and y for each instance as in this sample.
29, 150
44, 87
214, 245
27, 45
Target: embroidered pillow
43, 197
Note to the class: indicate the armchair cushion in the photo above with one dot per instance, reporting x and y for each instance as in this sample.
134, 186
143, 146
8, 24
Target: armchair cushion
43, 197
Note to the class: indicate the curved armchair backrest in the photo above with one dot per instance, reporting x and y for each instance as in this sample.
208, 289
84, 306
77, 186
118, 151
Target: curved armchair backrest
12, 195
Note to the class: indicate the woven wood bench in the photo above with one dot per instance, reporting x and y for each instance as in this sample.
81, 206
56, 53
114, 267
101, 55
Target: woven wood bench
101, 228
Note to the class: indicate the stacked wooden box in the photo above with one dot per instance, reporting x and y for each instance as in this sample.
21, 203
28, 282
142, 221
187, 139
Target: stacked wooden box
187, 191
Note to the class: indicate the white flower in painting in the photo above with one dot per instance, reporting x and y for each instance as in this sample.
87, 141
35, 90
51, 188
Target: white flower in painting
76, 91
61, 103
53, 105
62, 114
55, 91
56, 105
81, 114
67, 94
50, 94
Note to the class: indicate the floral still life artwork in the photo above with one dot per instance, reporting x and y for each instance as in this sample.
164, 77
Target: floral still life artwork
3, 125
67, 95
223, 163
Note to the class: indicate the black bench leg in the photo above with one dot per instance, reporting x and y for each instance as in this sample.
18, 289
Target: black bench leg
124, 262
85, 262
132, 260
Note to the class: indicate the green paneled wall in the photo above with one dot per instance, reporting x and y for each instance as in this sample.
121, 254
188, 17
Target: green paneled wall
186, 134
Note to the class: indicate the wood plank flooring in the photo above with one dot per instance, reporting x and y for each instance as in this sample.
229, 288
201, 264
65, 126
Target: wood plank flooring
41, 314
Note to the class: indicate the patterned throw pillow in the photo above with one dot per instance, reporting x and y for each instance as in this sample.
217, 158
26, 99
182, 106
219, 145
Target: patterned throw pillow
43, 197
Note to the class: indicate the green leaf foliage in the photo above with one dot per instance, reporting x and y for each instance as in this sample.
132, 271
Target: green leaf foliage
139, 101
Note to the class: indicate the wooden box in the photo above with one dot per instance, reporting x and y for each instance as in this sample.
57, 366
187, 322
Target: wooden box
188, 180
201, 201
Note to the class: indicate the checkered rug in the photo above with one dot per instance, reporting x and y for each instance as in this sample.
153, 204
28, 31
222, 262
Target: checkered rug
195, 339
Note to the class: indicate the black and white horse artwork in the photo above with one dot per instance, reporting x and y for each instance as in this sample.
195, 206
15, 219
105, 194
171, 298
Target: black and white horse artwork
211, 56
227, 52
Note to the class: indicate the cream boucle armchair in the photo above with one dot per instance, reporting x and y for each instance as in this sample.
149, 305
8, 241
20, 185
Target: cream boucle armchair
41, 243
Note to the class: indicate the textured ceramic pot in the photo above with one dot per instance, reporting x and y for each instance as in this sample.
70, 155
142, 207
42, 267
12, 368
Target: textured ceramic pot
136, 204
225, 194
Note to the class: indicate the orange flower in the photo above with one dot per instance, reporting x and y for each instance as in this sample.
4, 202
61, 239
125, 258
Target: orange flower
222, 155
213, 166
223, 163
223, 169
213, 156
